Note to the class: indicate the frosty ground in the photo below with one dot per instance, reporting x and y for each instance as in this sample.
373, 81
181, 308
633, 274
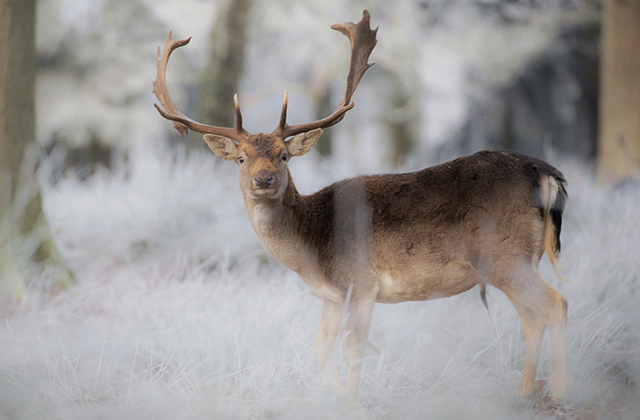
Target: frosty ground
179, 313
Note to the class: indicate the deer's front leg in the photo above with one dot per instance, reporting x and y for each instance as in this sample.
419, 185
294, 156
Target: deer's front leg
330, 321
357, 330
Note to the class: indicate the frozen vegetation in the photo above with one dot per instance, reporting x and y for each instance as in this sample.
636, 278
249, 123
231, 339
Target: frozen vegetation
179, 313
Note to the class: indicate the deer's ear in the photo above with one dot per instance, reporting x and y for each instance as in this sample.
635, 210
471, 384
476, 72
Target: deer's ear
302, 143
222, 146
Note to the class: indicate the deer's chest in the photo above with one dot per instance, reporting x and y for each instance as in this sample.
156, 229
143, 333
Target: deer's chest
276, 235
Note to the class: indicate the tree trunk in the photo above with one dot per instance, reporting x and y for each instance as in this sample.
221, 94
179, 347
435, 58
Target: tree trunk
619, 132
400, 128
323, 106
221, 78
399, 119
25, 238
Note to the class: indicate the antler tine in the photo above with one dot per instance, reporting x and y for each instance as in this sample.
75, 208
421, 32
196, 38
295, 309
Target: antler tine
363, 41
283, 115
160, 84
180, 121
236, 104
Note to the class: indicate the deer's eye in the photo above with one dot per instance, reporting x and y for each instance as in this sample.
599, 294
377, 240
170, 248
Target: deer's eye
240, 159
284, 157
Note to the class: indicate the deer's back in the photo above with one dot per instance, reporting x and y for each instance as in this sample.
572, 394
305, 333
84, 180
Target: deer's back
414, 232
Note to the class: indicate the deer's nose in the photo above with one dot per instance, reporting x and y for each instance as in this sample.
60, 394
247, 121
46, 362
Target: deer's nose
263, 180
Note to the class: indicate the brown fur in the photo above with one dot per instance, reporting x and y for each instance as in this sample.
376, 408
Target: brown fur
482, 219
441, 213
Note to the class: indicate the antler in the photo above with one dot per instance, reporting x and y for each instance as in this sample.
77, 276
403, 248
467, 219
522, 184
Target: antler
363, 40
180, 121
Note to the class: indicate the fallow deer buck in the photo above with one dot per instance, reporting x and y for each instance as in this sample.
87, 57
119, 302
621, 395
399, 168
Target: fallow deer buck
477, 220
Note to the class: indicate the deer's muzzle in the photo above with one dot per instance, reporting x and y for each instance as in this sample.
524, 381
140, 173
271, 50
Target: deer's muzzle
264, 180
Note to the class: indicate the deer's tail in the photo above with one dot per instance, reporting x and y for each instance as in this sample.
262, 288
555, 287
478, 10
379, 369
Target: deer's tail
553, 197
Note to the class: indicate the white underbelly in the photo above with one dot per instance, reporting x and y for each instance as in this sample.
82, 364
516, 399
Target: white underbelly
444, 281
395, 290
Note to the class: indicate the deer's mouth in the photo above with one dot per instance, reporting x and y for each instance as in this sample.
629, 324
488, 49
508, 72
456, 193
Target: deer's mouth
264, 193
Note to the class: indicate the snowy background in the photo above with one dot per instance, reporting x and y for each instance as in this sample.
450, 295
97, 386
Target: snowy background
180, 314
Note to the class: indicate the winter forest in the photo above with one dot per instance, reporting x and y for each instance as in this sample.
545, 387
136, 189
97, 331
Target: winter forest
133, 285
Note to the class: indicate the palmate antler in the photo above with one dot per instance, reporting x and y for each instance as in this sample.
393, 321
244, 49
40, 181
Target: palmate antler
362, 39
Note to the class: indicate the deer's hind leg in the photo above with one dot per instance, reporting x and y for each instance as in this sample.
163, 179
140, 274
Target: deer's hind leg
536, 301
533, 327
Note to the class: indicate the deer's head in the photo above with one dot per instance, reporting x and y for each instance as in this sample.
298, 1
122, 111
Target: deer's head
263, 158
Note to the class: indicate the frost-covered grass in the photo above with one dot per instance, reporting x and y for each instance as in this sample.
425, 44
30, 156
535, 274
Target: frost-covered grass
179, 314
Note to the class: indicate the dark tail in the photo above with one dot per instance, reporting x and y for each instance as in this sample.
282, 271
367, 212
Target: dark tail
553, 197
483, 297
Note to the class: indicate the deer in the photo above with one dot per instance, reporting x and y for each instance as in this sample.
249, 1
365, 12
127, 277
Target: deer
484, 219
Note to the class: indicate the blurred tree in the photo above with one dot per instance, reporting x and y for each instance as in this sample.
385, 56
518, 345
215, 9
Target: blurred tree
221, 77
24, 233
400, 120
323, 106
619, 137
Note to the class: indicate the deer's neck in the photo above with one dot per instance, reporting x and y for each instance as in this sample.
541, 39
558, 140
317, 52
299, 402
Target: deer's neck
275, 222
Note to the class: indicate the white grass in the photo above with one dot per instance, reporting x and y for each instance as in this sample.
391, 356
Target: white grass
179, 314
